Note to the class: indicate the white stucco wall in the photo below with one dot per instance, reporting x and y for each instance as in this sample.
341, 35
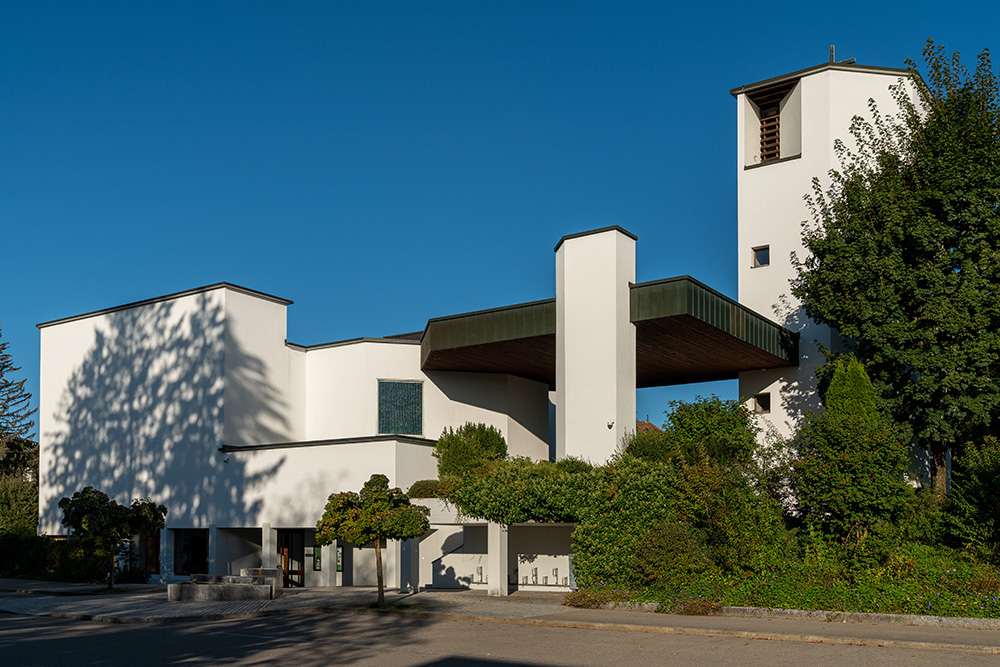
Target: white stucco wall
771, 211
342, 396
258, 383
130, 402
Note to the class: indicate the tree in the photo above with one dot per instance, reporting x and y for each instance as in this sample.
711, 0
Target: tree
461, 451
375, 514
849, 473
18, 453
91, 514
903, 258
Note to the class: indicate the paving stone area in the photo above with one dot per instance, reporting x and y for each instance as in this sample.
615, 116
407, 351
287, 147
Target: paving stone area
152, 605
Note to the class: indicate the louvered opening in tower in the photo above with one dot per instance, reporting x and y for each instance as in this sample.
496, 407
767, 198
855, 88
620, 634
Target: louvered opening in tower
770, 144
768, 102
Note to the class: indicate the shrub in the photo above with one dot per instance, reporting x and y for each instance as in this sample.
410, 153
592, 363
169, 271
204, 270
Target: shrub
971, 513
426, 488
24, 555
514, 490
615, 506
650, 446
18, 505
670, 554
848, 476
721, 430
459, 452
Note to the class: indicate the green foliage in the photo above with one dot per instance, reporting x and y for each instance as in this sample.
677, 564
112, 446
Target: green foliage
848, 476
741, 525
902, 256
376, 513
650, 445
18, 505
104, 524
24, 555
461, 451
721, 430
615, 505
83, 559
706, 429
426, 488
850, 394
672, 553
516, 490
973, 505
15, 406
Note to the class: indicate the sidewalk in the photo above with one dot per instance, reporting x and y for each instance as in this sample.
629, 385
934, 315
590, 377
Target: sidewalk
148, 604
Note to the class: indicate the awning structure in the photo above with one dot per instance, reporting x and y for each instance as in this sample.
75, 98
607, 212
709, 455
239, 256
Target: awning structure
685, 332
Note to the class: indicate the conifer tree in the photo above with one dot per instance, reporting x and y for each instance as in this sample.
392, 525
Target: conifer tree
15, 410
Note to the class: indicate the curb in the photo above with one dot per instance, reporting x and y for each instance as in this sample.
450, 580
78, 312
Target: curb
960, 622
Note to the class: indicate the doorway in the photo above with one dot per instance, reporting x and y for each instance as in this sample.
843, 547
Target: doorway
291, 557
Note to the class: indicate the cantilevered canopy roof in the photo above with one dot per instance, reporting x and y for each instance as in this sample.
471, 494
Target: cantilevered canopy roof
685, 332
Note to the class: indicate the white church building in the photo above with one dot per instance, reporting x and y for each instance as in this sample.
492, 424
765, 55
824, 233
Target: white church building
198, 400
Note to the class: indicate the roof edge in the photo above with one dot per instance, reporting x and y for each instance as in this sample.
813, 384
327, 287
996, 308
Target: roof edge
352, 341
406, 439
816, 69
597, 231
168, 297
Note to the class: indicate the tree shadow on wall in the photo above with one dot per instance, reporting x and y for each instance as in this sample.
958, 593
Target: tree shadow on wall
143, 416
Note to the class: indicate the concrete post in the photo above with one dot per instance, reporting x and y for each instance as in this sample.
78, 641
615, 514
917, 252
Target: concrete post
498, 555
166, 554
595, 343
268, 546
213, 549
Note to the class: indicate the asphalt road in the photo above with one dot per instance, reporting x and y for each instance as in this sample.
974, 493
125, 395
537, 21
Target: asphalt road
390, 641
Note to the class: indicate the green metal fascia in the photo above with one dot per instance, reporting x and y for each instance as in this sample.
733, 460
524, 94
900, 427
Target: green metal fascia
490, 326
686, 296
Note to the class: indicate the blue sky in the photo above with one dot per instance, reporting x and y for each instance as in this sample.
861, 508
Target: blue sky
383, 163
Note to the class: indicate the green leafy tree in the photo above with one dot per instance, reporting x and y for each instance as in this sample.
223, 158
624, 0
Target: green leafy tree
696, 431
902, 253
92, 515
465, 449
375, 514
18, 453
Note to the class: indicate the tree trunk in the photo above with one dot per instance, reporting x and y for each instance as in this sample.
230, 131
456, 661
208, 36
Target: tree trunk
114, 565
939, 473
378, 569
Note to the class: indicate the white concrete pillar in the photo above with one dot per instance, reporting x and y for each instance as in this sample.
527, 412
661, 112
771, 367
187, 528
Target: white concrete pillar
595, 343
213, 549
166, 554
268, 546
498, 555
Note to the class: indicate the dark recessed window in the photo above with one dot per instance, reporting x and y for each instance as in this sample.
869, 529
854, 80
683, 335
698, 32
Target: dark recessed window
400, 407
762, 403
761, 256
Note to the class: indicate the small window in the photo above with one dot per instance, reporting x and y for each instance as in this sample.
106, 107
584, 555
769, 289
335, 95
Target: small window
761, 256
762, 403
400, 407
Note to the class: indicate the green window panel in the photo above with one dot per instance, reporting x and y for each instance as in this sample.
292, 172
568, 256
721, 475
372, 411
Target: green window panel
400, 407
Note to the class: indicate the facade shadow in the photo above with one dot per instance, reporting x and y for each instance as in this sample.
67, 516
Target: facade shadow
145, 411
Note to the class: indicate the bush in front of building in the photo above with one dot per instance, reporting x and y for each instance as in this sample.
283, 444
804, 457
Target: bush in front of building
462, 450
426, 488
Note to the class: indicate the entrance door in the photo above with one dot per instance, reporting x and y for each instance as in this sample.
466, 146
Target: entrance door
291, 557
